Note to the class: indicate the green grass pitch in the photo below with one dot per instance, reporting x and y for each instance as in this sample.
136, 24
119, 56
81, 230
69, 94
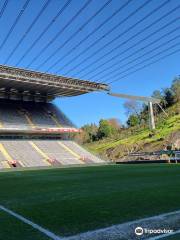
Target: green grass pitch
73, 200
174, 237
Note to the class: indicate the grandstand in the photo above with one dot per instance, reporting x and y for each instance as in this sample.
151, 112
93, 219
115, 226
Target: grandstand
33, 131
28, 115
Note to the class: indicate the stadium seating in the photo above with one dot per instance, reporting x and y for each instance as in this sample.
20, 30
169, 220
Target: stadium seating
1, 165
38, 153
26, 115
10, 117
85, 155
2, 161
37, 150
55, 151
22, 151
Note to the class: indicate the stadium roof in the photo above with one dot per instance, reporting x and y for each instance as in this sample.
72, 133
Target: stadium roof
32, 82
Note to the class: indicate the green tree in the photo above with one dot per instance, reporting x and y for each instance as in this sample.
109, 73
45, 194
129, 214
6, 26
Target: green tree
169, 97
176, 88
89, 133
133, 120
105, 129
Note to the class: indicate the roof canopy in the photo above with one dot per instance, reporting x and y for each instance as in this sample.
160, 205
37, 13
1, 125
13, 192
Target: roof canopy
31, 82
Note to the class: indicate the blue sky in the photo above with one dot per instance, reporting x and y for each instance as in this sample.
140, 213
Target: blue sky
92, 107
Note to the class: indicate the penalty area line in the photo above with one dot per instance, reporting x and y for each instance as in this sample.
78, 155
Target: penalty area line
46, 232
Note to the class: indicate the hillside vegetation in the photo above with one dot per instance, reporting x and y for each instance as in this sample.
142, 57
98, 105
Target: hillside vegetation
115, 141
166, 134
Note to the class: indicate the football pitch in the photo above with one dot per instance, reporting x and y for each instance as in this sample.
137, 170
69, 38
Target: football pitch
74, 200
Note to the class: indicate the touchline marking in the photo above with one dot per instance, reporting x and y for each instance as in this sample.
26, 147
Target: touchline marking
118, 230
164, 235
46, 232
92, 234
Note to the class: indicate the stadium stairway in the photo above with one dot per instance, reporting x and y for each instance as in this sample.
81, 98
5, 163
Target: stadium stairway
27, 117
53, 116
38, 116
61, 118
56, 151
5, 158
86, 156
44, 156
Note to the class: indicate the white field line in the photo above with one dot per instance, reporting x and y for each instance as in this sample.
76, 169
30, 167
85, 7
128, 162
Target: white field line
46, 232
119, 230
96, 234
164, 235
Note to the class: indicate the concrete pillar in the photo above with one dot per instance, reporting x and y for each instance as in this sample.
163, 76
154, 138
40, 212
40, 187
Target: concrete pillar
151, 116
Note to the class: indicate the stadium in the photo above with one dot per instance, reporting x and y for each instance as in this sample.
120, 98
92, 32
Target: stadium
34, 132
73, 165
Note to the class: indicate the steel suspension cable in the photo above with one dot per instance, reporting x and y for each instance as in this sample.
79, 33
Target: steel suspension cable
118, 36
59, 33
74, 34
91, 33
3, 8
47, 2
15, 23
141, 56
131, 47
62, 9
147, 65
126, 41
142, 62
